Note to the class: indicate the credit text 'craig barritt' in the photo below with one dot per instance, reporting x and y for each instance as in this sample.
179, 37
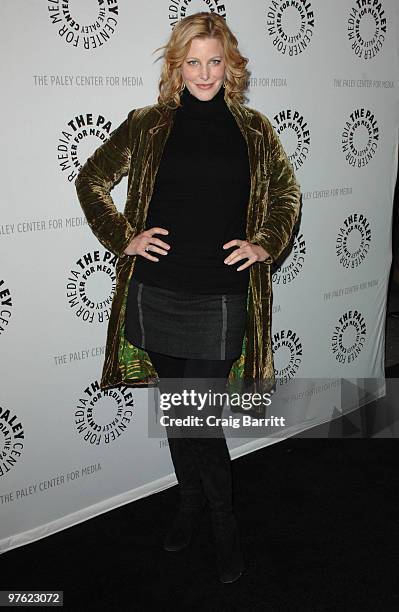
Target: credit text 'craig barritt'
230, 421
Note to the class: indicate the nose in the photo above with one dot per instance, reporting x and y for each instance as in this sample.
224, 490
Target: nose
204, 73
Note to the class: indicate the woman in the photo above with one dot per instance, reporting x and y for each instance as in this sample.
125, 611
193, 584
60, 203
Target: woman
212, 201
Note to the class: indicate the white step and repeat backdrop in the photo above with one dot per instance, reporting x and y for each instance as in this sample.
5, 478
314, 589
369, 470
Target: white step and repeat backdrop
325, 73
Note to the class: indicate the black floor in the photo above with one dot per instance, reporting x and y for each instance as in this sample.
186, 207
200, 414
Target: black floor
319, 524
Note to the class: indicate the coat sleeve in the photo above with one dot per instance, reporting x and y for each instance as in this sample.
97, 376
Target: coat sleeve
103, 169
284, 200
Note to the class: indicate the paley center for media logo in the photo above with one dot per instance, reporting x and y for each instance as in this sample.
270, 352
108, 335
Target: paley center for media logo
101, 417
6, 305
367, 28
349, 336
12, 437
80, 130
91, 286
178, 9
84, 25
294, 131
360, 137
290, 24
353, 240
287, 354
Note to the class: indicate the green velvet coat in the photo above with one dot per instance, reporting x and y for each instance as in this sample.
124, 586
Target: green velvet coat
134, 149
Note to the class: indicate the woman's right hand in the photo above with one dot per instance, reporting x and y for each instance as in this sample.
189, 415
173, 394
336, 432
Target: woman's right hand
144, 242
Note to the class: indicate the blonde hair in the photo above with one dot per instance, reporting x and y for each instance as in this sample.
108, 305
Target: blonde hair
201, 25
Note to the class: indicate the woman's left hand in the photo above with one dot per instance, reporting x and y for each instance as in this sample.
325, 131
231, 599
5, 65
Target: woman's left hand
246, 250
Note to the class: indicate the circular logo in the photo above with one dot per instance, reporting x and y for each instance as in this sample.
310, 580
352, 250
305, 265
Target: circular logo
178, 9
84, 25
291, 126
101, 417
287, 354
5, 306
285, 274
75, 142
367, 28
348, 337
12, 438
91, 286
353, 241
360, 137
290, 24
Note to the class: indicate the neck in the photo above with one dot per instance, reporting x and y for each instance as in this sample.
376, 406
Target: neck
194, 107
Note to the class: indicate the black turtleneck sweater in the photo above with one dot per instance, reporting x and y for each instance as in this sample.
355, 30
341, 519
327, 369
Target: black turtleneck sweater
201, 195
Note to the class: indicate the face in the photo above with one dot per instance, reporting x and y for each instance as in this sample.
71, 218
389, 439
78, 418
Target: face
203, 69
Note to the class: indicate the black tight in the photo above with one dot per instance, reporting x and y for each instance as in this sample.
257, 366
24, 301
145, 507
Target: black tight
212, 375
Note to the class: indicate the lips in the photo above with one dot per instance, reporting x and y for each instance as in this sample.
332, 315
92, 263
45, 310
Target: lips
205, 86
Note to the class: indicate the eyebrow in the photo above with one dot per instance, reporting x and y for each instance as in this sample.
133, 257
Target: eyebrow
211, 58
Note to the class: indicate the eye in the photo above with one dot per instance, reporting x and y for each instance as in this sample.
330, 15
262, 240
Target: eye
216, 61
192, 62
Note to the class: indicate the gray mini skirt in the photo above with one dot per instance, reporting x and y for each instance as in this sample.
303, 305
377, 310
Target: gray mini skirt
200, 326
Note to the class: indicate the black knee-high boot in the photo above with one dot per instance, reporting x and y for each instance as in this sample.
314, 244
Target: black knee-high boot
192, 497
215, 467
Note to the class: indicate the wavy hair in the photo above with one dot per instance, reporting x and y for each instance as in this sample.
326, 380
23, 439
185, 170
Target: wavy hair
201, 25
